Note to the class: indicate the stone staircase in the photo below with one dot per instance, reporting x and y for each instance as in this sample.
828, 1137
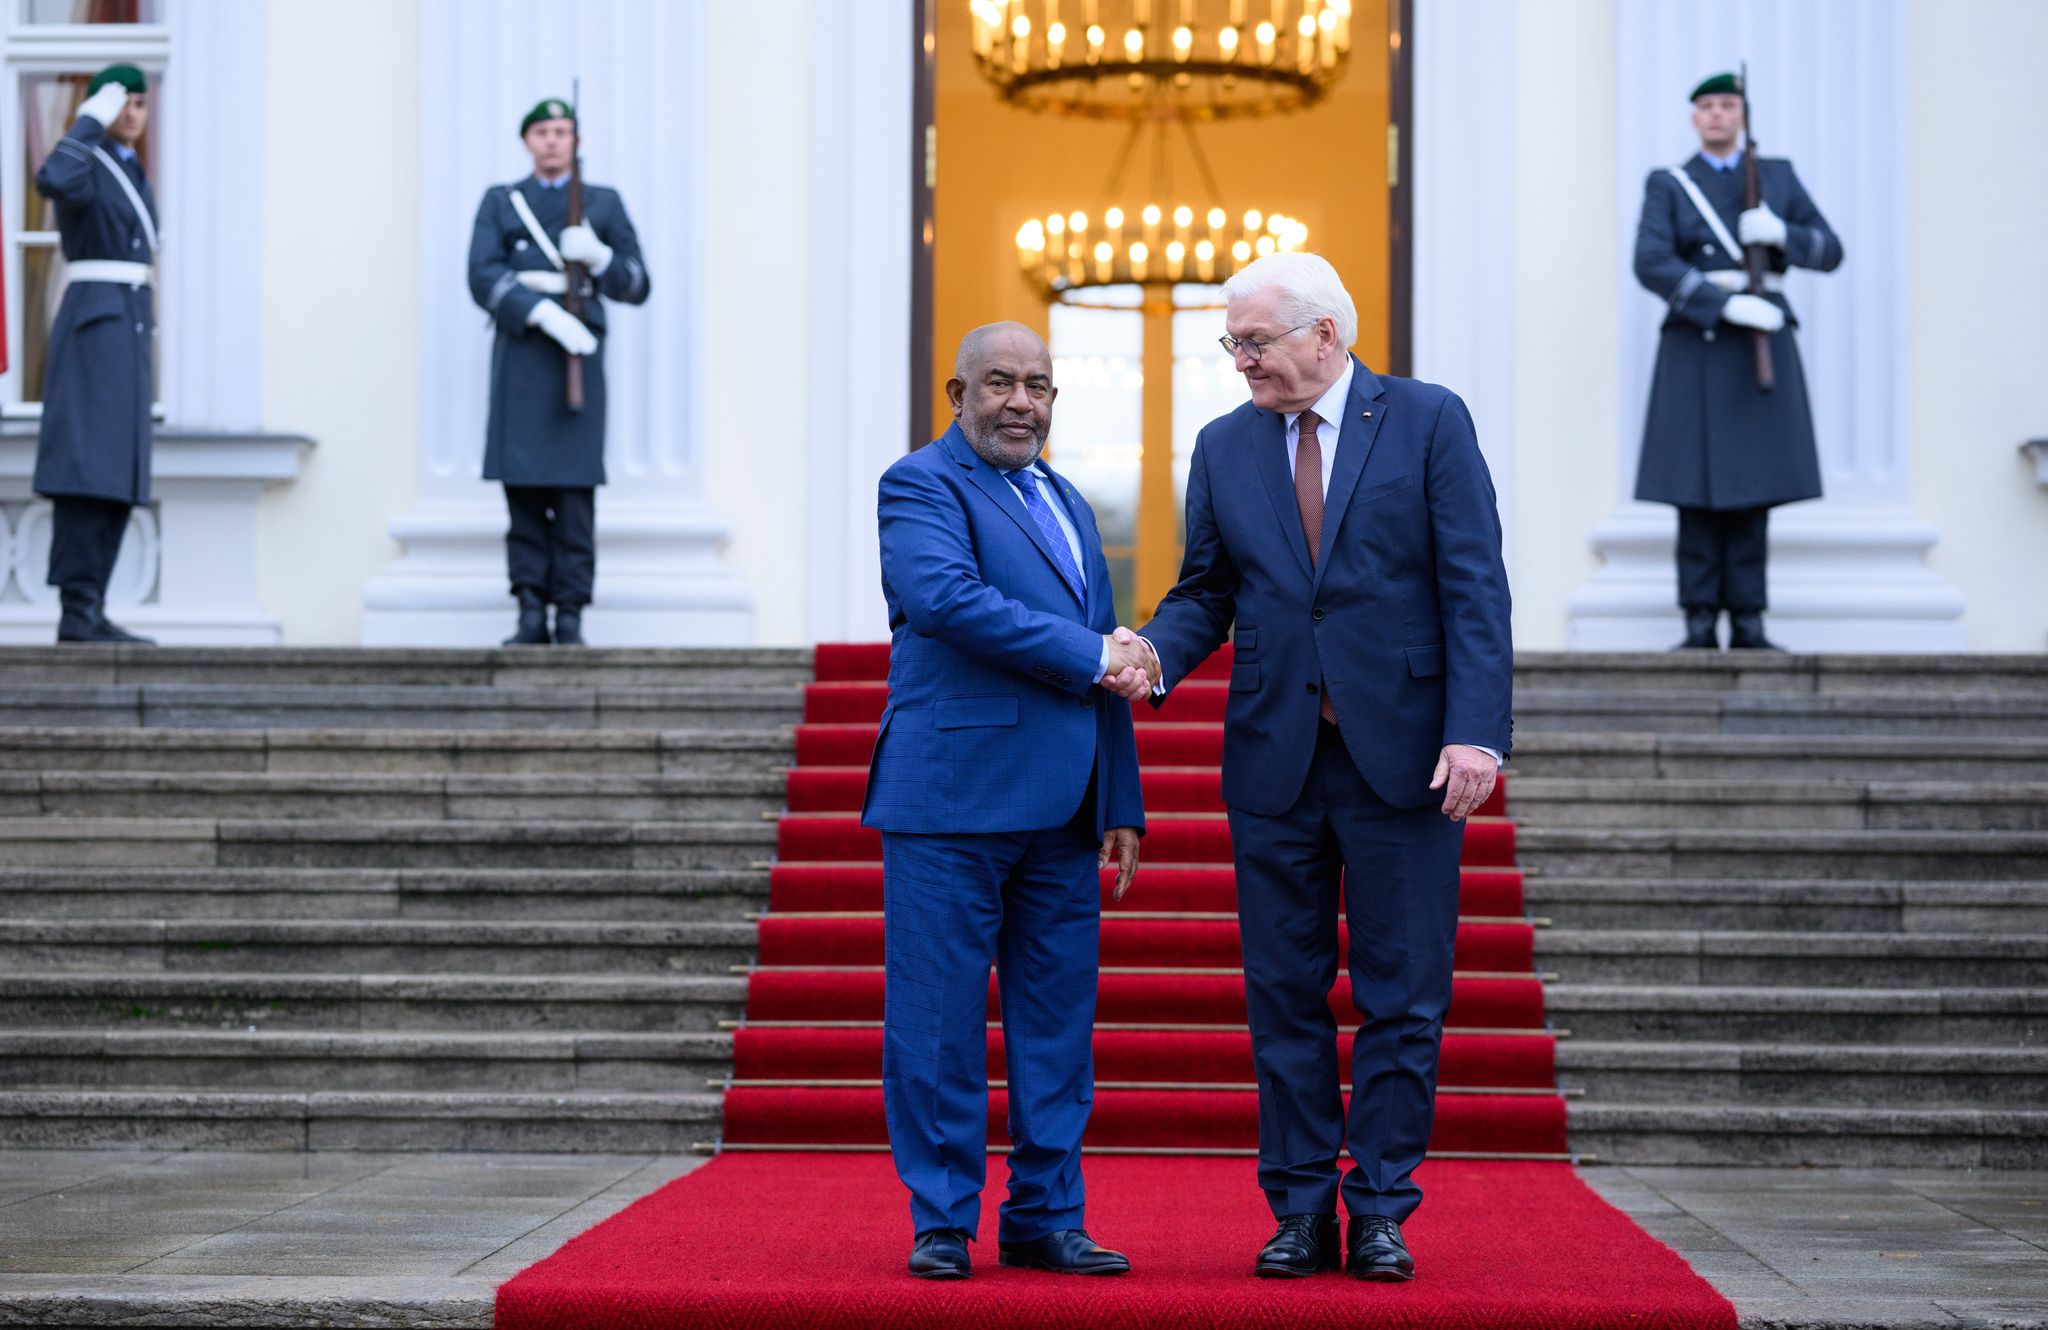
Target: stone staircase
492, 900
1799, 905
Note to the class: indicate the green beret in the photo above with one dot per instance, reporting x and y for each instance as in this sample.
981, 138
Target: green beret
551, 108
1727, 83
128, 76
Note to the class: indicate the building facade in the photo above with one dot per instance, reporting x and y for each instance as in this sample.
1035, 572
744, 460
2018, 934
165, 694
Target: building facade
322, 368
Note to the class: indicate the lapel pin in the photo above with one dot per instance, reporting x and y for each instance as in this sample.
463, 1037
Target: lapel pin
1368, 415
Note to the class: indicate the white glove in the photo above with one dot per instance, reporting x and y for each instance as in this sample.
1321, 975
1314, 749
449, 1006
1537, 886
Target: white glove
563, 326
579, 244
106, 105
1753, 312
1761, 226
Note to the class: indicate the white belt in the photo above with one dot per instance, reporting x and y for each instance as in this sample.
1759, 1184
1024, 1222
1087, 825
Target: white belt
1736, 281
117, 271
547, 283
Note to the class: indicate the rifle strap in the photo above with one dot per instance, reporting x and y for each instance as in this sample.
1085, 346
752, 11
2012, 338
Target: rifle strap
134, 198
533, 226
1707, 213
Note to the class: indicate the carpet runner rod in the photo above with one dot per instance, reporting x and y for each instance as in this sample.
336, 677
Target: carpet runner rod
1164, 971
1122, 916
745, 1023
999, 1083
1140, 1151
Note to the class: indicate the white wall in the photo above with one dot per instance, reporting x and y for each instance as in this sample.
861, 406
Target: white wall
1566, 329
1977, 342
755, 324
340, 308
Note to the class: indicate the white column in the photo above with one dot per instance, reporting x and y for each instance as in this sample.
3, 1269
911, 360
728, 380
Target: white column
859, 376
483, 63
1847, 571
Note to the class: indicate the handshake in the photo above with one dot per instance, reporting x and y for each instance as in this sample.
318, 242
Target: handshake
1133, 665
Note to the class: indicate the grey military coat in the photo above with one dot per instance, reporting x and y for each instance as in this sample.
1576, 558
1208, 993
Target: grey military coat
1712, 438
95, 436
532, 437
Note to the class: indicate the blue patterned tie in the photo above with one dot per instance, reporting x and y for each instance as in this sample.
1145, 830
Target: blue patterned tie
1026, 482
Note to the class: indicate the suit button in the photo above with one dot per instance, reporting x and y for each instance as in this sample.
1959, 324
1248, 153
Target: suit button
1316, 614
1311, 689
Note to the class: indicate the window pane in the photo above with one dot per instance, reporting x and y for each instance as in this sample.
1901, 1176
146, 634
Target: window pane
92, 11
1099, 421
49, 103
1205, 382
42, 287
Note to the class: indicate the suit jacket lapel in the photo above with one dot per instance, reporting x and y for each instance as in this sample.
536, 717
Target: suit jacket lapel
1001, 493
1355, 437
1269, 457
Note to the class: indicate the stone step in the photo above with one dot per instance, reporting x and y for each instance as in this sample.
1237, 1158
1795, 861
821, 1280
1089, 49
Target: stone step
1721, 1134
386, 946
397, 751
410, 706
1725, 672
1803, 960
412, 843
552, 797
437, 666
1936, 757
1779, 714
1767, 1074
489, 1063
390, 1002
1613, 1013
1835, 805
356, 1120
1819, 905
595, 895
1937, 856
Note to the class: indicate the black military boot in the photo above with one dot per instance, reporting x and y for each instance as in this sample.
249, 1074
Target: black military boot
569, 626
83, 620
1702, 630
533, 620
1746, 632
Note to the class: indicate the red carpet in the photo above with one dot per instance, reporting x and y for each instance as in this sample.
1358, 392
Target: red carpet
801, 1222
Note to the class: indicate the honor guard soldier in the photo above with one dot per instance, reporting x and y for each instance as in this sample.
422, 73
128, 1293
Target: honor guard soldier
92, 451
1722, 443
524, 255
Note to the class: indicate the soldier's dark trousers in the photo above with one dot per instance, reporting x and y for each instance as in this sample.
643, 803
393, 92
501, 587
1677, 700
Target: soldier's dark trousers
1721, 556
551, 547
85, 539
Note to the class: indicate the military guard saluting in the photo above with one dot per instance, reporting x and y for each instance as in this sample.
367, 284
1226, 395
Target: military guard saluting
1717, 443
549, 452
92, 452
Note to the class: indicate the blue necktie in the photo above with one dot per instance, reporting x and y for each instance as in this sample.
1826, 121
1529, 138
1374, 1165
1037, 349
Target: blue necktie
1026, 482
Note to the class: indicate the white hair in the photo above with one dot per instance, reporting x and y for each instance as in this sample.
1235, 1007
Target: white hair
1309, 290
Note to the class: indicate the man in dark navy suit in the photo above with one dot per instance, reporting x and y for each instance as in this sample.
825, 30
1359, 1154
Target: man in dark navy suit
1004, 775
1343, 523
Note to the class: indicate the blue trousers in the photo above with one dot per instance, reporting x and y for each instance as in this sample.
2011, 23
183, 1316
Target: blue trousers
1030, 903
1396, 870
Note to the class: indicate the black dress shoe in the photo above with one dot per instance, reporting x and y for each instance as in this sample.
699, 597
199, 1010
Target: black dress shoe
941, 1253
84, 620
568, 625
1068, 1252
1746, 632
1702, 631
533, 621
1303, 1245
1377, 1251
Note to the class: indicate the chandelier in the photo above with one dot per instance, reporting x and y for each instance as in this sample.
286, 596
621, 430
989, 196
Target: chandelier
1117, 59
1064, 254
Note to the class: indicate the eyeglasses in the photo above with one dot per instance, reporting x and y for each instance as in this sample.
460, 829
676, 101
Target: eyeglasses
1253, 348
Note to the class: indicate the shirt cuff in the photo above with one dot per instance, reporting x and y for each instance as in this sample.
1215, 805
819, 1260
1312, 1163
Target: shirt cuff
1493, 753
1102, 669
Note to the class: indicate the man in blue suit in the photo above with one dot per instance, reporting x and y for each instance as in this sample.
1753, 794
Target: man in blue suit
1005, 774
1343, 522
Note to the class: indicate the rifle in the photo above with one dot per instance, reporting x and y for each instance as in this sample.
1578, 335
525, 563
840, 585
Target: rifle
1755, 259
573, 300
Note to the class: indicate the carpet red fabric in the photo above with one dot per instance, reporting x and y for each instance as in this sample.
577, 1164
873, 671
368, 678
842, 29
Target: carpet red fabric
816, 1242
801, 1223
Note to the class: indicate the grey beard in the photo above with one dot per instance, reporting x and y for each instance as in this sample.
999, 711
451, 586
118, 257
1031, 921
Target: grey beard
989, 449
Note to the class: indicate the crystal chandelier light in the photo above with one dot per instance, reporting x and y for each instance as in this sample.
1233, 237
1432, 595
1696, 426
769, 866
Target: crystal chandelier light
1065, 254
1118, 59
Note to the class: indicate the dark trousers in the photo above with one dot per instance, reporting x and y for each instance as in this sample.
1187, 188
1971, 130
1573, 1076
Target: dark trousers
1030, 902
1721, 557
1396, 871
551, 547
85, 540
